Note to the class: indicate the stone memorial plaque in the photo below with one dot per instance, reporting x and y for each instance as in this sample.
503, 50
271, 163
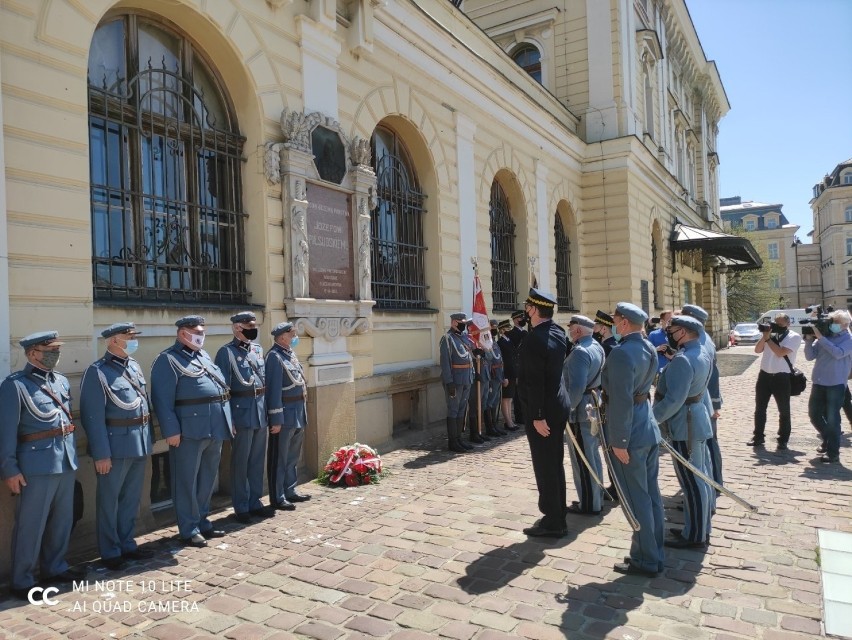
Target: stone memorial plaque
329, 223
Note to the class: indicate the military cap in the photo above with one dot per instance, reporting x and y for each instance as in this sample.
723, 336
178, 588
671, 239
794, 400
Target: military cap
583, 321
460, 316
696, 312
505, 324
603, 318
540, 298
494, 323
283, 327
190, 321
120, 327
44, 338
519, 314
634, 314
243, 316
688, 322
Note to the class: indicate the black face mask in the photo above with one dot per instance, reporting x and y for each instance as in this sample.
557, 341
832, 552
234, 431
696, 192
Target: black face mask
522, 322
598, 336
494, 334
672, 342
774, 327
250, 334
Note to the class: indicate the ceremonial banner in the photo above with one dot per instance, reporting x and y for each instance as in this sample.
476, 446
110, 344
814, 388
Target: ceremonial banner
480, 330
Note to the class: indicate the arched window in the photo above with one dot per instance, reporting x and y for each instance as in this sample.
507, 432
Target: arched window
165, 161
528, 57
503, 288
564, 293
655, 279
397, 259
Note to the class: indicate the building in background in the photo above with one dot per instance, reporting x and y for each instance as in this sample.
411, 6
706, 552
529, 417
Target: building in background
769, 229
339, 164
832, 234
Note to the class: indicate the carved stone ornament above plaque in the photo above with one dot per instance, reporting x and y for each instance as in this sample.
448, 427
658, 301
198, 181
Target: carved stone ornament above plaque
331, 329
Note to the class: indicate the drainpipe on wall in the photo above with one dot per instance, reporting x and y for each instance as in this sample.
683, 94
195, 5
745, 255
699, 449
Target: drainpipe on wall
5, 328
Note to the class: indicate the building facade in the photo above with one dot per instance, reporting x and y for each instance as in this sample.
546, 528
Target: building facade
832, 233
341, 164
769, 229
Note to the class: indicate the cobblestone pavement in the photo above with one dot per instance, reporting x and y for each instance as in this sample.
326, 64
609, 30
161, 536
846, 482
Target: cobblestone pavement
436, 550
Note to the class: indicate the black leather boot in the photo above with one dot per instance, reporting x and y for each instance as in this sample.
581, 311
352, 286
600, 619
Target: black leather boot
453, 443
489, 424
459, 428
494, 420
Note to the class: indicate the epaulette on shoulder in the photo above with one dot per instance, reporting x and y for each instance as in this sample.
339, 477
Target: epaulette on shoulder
15, 376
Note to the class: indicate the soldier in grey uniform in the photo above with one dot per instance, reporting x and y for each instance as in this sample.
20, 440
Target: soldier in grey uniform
115, 413
190, 398
286, 393
37, 462
581, 375
496, 383
634, 437
457, 376
241, 363
680, 408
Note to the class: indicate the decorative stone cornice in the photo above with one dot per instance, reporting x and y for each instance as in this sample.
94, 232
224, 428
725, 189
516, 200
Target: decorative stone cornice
331, 329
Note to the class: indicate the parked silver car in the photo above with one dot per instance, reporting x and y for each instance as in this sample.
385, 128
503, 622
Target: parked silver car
745, 333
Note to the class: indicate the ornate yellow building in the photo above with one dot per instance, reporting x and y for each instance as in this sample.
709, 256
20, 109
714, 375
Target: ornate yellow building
339, 164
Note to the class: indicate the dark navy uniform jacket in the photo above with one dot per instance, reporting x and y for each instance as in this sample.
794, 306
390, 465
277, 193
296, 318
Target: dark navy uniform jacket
178, 374
242, 366
629, 370
540, 388
113, 388
26, 408
456, 359
285, 384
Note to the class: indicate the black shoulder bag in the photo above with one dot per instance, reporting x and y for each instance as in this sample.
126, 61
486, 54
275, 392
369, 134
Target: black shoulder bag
798, 381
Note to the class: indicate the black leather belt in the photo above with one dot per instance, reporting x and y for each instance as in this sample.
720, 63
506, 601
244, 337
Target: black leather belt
207, 400
300, 398
127, 422
639, 398
252, 393
694, 399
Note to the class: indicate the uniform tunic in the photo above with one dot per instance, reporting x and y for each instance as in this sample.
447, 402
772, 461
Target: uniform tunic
115, 412
286, 393
242, 366
34, 401
540, 389
190, 398
680, 408
456, 368
497, 371
628, 373
581, 374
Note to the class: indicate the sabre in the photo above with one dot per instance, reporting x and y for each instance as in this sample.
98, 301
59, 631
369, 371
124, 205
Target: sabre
593, 409
585, 460
721, 489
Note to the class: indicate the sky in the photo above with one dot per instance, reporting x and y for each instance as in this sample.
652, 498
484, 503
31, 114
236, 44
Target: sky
786, 66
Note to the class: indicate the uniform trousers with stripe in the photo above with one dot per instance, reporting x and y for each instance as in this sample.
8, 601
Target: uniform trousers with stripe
696, 492
589, 493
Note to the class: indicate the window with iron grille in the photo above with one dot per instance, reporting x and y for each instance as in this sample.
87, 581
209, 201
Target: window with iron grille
504, 289
165, 156
564, 293
398, 247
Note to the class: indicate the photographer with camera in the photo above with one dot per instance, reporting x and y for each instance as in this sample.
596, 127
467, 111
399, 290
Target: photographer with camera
659, 338
830, 345
779, 347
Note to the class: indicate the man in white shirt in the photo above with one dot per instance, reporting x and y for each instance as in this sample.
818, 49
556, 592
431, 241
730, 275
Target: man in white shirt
778, 345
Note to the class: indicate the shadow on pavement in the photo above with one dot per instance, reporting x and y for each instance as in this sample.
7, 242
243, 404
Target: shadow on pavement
497, 568
435, 450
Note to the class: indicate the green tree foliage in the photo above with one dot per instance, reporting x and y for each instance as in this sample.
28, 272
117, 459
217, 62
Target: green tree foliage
750, 293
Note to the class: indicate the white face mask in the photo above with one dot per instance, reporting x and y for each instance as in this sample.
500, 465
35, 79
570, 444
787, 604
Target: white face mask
197, 341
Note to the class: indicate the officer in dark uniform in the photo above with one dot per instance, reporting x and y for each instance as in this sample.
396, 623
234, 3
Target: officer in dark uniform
634, 437
241, 363
38, 459
510, 373
603, 331
286, 395
115, 413
581, 374
680, 410
546, 409
190, 398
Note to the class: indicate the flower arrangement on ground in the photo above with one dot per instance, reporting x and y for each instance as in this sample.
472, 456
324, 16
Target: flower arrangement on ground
352, 466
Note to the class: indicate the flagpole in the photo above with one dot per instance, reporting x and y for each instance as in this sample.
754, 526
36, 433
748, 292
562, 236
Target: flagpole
478, 364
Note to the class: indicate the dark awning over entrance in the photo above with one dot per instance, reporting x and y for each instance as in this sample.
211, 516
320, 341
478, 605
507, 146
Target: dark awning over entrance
737, 253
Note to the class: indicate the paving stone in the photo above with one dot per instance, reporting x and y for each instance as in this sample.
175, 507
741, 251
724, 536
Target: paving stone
420, 620
370, 626
247, 632
319, 631
217, 623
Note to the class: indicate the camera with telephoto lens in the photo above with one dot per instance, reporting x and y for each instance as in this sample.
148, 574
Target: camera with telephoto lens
822, 322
